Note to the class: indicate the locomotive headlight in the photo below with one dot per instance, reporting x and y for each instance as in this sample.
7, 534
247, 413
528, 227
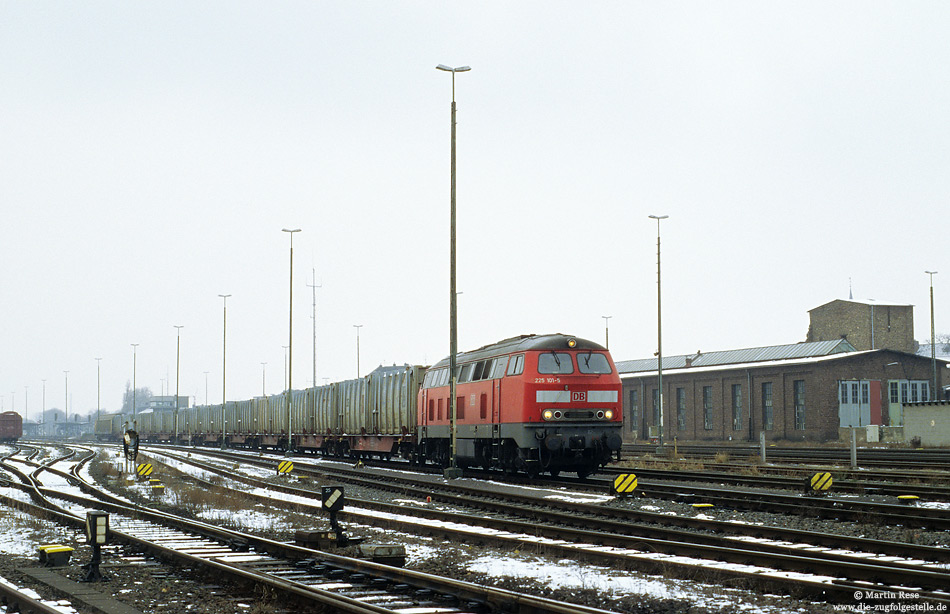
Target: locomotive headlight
609, 415
547, 414
571, 343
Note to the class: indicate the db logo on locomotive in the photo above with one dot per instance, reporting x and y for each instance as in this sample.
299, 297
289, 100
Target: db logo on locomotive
579, 397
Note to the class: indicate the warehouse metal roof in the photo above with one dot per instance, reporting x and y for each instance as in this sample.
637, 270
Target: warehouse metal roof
729, 357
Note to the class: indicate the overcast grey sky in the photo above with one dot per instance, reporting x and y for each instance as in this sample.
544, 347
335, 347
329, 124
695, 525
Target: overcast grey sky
151, 153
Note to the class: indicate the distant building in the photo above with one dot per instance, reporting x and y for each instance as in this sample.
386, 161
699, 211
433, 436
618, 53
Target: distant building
803, 392
867, 325
857, 368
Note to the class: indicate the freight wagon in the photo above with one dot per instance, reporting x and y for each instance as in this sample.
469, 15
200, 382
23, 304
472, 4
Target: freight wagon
11, 427
534, 403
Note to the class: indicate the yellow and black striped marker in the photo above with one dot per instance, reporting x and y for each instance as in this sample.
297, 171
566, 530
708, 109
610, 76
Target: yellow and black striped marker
908, 499
285, 466
624, 484
821, 482
702, 506
144, 470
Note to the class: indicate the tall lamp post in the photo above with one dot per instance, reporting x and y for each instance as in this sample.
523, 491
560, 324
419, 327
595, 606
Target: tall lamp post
263, 379
452, 471
177, 375
134, 359
357, 327
659, 324
43, 414
607, 330
313, 316
98, 388
284, 383
224, 373
933, 337
290, 345
66, 373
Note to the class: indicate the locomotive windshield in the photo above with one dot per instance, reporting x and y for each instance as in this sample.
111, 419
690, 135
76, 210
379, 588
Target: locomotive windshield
593, 363
556, 363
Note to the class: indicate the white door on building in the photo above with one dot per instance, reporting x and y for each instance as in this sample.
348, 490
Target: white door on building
854, 403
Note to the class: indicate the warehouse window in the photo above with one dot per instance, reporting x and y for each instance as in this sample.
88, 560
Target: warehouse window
707, 408
737, 407
894, 394
634, 419
656, 407
768, 416
681, 409
798, 391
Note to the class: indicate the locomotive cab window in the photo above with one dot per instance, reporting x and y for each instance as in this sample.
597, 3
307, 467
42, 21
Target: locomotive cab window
466, 373
500, 365
482, 370
555, 363
593, 363
516, 365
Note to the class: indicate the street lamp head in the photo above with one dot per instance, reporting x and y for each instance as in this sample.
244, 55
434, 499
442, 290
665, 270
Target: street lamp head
658, 217
450, 69
930, 272
289, 230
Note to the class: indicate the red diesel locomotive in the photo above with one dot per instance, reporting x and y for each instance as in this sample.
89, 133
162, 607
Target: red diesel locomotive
535, 403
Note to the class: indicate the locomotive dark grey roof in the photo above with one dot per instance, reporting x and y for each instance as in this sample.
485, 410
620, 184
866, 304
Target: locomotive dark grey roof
523, 343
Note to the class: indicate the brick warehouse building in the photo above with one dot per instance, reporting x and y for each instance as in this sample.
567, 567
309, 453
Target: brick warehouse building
804, 391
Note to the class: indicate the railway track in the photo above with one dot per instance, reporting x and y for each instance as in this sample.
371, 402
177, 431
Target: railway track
891, 458
308, 577
800, 482
813, 505
825, 575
